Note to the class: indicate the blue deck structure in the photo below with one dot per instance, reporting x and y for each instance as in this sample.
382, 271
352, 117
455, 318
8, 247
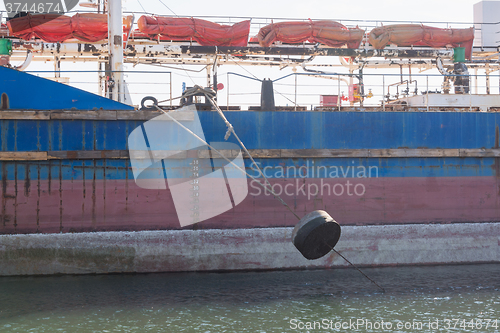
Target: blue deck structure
29, 92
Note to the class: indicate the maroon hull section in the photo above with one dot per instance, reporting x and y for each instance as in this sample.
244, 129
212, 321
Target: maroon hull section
121, 205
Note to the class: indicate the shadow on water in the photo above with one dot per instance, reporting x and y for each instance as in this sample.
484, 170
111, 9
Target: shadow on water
271, 298
21, 295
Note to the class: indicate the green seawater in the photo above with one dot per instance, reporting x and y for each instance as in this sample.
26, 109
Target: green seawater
417, 299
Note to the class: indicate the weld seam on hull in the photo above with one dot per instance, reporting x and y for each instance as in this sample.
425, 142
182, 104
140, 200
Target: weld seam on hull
262, 153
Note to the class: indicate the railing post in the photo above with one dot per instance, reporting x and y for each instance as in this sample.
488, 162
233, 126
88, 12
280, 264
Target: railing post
170, 89
383, 92
295, 102
427, 94
227, 92
339, 101
475, 81
470, 98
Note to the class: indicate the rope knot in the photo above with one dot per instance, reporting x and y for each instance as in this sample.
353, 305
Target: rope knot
209, 92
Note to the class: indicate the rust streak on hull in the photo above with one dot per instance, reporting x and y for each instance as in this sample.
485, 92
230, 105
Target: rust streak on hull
385, 201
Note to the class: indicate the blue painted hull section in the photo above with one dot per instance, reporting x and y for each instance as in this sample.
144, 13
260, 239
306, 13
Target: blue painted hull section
357, 130
331, 167
280, 130
275, 130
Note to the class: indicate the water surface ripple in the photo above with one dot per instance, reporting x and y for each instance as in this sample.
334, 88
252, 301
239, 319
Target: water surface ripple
429, 299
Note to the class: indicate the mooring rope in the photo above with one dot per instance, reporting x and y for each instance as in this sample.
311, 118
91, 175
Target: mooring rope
209, 94
230, 129
265, 186
359, 270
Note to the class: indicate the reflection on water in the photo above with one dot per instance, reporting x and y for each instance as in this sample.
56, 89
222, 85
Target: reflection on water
288, 301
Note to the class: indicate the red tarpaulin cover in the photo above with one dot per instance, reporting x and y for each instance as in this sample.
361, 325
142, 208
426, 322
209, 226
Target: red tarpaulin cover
421, 35
204, 32
327, 32
53, 28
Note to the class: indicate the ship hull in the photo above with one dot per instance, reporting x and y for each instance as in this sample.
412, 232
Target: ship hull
374, 170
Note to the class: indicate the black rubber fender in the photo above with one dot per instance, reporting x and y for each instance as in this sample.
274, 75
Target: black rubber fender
316, 234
